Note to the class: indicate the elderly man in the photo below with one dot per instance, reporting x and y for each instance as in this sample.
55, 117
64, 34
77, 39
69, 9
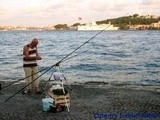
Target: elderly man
30, 57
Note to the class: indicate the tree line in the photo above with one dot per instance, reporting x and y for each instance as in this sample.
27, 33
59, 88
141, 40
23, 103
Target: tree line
121, 22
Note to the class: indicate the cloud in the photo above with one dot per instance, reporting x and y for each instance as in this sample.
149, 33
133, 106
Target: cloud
68, 10
44, 12
99, 5
150, 7
150, 2
4, 13
49, 9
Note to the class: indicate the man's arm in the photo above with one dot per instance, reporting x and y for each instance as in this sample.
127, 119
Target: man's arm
38, 56
26, 54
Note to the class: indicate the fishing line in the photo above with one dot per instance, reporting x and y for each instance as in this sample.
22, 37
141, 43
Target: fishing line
57, 64
29, 83
75, 55
63, 59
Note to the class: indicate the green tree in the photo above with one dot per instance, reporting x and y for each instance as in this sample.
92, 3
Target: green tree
124, 22
135, 15
61, 27
75, 24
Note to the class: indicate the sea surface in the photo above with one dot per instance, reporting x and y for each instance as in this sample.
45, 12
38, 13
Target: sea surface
131, 57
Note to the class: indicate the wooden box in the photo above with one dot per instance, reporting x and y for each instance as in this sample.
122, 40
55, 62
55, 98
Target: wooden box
62, 99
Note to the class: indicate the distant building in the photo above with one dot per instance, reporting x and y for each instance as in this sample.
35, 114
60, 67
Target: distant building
150, 16
155, 25
49, 28
73, 28
19, 28
139, 27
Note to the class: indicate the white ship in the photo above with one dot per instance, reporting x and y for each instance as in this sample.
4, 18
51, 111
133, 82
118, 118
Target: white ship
94, 26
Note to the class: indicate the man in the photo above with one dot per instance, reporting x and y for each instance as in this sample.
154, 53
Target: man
30, 57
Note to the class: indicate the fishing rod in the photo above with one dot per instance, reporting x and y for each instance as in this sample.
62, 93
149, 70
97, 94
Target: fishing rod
57, 64
34, 73
66, 57
74, 56
62, 60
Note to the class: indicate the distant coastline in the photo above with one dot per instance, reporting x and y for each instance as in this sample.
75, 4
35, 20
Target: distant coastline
134, 22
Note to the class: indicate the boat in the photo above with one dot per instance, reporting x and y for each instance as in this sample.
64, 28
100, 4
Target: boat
94, 26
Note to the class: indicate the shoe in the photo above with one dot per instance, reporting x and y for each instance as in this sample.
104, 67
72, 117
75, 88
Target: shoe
27, 92
39, 92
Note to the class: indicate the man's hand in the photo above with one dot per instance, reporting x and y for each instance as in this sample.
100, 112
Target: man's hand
39, 58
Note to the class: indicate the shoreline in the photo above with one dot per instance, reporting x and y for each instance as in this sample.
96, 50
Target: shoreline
103, 84
88, 101
94, 84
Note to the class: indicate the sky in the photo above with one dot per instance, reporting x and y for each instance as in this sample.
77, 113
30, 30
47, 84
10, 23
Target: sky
41, 13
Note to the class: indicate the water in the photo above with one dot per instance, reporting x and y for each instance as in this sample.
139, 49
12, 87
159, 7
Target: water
120, 56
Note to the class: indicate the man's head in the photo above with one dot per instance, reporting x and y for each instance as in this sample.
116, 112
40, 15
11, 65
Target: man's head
34, 43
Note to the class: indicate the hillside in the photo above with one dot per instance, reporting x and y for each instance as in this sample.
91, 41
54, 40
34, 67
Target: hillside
124, 22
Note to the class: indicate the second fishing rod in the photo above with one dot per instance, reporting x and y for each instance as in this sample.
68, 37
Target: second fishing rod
58, 63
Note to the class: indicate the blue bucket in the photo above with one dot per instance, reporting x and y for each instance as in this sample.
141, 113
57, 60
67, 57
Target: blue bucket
47, 102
